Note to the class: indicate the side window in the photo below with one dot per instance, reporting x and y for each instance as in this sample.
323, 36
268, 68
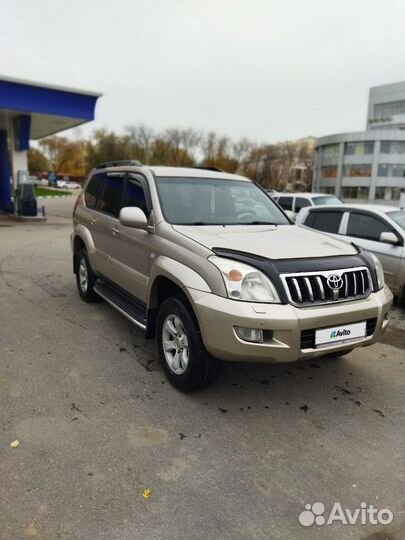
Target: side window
94, 190
285, 202
111, 197
300, 202
309, 220
366, 226
325, 221
134, 195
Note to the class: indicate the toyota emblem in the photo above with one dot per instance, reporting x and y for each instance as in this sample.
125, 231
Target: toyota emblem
335, 282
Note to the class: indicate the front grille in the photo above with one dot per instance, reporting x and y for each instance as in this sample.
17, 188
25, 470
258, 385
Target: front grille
306, 289
308, 336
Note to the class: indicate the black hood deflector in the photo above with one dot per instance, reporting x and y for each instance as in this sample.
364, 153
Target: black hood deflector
274, 267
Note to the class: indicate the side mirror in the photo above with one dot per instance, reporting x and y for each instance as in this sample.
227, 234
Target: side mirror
389, 238
133, 217
291, 215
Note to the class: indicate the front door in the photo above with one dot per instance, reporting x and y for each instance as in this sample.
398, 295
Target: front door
130, 248
365, 229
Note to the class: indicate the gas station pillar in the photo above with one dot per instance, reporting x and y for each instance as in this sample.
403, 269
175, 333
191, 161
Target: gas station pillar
5, 186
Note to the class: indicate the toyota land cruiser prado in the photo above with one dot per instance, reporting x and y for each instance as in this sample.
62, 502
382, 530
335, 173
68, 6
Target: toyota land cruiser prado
208, 264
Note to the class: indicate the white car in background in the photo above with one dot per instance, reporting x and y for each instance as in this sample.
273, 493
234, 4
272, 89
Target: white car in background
294, 202
376, 228
72, 185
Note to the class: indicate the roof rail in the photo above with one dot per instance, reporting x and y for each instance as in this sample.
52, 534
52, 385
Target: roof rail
215, 169
120, 163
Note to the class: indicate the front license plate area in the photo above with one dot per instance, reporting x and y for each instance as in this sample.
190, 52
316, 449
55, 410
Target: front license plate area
340, 334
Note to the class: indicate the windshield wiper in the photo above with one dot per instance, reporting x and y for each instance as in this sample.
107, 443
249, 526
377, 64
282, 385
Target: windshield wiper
257, 222
199, 223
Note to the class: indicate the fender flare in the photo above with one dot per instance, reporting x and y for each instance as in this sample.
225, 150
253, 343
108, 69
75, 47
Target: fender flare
183, 276
84, 234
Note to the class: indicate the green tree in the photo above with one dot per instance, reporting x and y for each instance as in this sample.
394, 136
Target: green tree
65, 156
37, 162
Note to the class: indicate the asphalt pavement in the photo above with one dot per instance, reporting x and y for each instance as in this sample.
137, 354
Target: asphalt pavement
98, 424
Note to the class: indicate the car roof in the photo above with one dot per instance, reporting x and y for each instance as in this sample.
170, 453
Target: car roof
190, 172
376, 208
305, 195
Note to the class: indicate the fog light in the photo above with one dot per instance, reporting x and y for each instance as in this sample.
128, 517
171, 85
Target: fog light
254, 335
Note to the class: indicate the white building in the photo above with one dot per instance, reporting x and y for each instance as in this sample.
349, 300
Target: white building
367, 165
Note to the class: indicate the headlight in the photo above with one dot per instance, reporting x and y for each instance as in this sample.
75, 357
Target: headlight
243, 282
379, 271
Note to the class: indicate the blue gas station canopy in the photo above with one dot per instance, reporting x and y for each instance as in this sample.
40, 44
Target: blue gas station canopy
31, 110
51, 108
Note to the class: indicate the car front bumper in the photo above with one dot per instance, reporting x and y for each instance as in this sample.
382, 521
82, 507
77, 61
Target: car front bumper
290, 326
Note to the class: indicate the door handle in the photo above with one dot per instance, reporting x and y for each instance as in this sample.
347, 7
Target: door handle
115, 231
92, 221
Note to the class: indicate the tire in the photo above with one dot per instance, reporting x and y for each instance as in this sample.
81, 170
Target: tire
338, 354
187, 364
85, 277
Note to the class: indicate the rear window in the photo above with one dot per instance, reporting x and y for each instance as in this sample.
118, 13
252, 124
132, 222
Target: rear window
285, 202
94, 190
111, 197
324, 221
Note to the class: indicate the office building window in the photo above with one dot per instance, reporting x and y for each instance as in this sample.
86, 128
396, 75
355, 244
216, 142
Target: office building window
355, 192
391, 169
329, 171
380, 193
386, 193
330, 151
359, 148
389, 109
359, 169
392, 147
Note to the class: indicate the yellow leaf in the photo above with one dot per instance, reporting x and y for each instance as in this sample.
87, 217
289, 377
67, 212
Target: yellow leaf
15, 444
147, 493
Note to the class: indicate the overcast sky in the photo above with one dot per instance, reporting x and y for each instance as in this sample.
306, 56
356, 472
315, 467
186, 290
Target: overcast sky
270, 70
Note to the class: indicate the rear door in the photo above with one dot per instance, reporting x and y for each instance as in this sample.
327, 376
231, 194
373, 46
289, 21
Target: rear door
90, 218
364, 229
108, 207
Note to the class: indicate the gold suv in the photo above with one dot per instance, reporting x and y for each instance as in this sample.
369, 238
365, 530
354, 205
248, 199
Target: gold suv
210, 265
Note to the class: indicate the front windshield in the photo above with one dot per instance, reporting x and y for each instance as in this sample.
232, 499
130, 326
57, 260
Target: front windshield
206, 201
326, 200
399, 217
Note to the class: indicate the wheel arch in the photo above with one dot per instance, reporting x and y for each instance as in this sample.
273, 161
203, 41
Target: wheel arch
170, 278
82, 239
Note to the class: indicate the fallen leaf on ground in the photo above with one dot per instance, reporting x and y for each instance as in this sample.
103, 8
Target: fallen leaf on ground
147, 493
15, 444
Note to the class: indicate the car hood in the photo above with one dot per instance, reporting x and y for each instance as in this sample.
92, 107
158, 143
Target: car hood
282, 242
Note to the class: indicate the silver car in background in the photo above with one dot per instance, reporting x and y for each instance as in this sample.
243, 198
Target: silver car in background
376, 228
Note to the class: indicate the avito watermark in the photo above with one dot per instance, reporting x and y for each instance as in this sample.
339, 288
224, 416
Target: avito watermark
367, 514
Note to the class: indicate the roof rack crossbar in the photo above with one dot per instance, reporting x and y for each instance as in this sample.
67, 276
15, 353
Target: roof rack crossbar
119, 163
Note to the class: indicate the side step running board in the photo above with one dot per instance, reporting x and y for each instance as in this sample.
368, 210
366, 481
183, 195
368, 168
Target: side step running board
122, 303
